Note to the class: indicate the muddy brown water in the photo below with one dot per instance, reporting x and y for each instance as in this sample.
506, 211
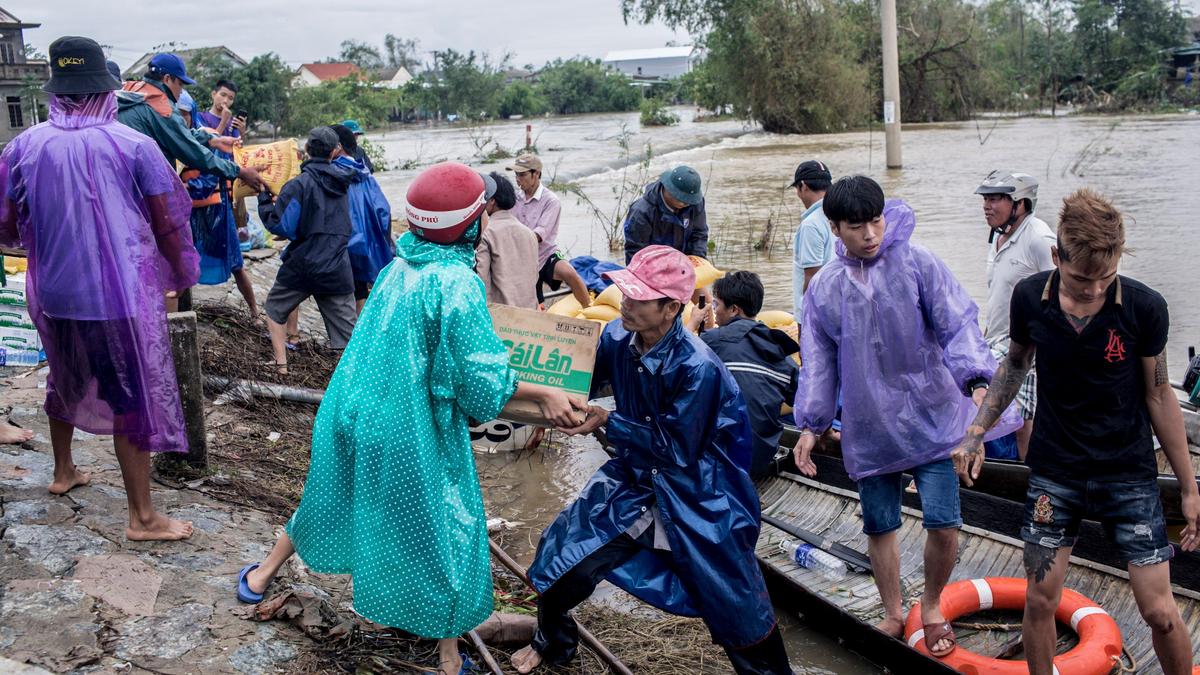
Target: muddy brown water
1147, 165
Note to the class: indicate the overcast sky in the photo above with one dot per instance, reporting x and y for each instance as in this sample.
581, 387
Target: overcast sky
310, 30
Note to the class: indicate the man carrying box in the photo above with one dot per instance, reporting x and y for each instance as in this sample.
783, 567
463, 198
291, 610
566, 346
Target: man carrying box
673, 517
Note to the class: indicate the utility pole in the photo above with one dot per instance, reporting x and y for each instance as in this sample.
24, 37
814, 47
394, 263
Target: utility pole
891, 84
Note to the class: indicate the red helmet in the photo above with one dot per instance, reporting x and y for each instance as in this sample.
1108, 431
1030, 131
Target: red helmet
443, 201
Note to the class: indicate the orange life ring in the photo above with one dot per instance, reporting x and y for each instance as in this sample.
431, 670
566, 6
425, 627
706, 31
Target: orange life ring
1099, 636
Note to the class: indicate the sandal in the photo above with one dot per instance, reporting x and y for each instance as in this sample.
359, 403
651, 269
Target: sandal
293, 341
465, 670
243, 589
280, 368
936, 632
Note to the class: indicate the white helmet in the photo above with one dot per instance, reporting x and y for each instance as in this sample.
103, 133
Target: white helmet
1016, 185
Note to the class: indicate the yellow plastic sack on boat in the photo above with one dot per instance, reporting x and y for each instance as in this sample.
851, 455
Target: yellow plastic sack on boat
277, 163
774, 318
705, 272
611, 297
566, 306
598, 312
14, 265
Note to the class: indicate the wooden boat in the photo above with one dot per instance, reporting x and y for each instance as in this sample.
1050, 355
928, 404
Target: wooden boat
1009, 479
848, 609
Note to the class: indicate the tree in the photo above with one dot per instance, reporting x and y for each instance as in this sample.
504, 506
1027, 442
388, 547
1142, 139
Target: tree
468, 85
401, 53
582, 85
519, 98
360, 54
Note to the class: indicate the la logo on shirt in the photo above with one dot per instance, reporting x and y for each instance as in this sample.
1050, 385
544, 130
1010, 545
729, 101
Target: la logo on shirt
1114, 351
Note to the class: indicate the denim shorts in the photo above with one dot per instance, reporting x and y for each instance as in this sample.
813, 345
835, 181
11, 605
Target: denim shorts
1130, 511
937, 485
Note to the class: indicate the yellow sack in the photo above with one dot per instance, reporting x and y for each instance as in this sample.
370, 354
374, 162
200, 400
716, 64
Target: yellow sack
774, 318
278, 162
705, 272
611, 297
15, 265
598, 312
566, 306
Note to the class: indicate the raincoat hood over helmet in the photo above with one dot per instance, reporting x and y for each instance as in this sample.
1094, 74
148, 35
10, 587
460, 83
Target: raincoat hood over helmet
444, 201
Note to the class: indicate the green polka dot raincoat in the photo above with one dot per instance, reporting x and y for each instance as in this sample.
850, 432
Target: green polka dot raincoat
392, 497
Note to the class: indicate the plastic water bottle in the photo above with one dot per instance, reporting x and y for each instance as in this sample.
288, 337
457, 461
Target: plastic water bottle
813, 558
19, 357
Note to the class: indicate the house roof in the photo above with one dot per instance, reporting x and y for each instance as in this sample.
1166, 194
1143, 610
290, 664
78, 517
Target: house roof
7, 19
139, 67
331, 71
649, 54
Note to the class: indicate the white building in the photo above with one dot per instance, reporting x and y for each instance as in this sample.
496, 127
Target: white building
312, 74
392, 78
662, 63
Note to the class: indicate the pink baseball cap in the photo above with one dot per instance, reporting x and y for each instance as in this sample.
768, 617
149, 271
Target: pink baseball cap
656, 272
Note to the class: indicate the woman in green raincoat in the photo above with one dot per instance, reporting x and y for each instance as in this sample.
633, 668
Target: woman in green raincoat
392, 497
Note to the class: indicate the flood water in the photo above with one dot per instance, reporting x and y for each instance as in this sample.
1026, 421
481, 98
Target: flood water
1147, 165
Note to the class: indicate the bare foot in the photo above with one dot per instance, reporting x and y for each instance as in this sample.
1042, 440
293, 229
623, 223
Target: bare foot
450, 666
10, 433
892, 627
258, 579
64, 484
526, 659
934, 615
158, 528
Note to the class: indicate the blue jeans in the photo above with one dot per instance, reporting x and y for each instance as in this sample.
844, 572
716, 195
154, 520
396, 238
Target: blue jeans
937, 485
1130, 511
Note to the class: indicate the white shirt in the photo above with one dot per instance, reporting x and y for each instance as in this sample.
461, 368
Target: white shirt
1025, 253
811, 247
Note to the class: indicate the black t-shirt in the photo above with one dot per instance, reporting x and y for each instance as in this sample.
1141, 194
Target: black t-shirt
1092, 422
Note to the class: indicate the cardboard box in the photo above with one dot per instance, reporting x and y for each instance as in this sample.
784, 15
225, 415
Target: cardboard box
555, 351
20, 338
13, 290
15, 316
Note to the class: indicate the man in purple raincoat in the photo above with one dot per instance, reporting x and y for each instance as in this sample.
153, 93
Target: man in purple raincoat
104, 220
887, 323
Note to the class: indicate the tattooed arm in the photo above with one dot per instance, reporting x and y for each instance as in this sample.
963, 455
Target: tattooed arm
968, 456
1167, 421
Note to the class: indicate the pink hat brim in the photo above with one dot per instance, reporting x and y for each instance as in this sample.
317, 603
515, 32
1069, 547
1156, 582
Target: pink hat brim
632, 287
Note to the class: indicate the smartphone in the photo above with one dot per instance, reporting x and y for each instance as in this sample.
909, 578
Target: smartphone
242, 114
700, 305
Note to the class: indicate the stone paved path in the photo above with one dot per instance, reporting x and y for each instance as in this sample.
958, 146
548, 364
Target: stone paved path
76, 596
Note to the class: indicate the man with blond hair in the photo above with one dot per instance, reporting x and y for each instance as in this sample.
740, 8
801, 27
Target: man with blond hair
1100, 339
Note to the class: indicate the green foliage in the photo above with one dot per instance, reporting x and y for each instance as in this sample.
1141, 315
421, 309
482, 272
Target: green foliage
519, 98
375, 153
816, 65
582, 85
467, 85
335, 101
360, 54
654, 113
263, 84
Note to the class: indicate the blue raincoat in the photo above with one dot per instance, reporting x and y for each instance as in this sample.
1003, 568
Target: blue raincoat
900, 336
371, 247
682, 440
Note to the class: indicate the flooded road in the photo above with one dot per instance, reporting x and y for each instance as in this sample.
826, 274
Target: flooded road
1147, 165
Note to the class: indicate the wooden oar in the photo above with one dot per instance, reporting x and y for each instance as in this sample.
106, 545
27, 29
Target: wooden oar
854, 559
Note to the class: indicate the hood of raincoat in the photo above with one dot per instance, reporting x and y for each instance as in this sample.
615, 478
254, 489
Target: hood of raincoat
417, 251
901, 221
900, 338
360, 172
333, 178
85, 111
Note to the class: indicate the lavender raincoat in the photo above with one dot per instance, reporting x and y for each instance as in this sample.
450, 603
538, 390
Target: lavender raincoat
900, 337
104, 220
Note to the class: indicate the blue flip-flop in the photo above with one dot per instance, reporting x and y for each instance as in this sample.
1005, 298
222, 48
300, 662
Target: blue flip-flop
466, 666
243, 590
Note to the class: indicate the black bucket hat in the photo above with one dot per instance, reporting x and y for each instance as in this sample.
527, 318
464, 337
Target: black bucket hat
78, 66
